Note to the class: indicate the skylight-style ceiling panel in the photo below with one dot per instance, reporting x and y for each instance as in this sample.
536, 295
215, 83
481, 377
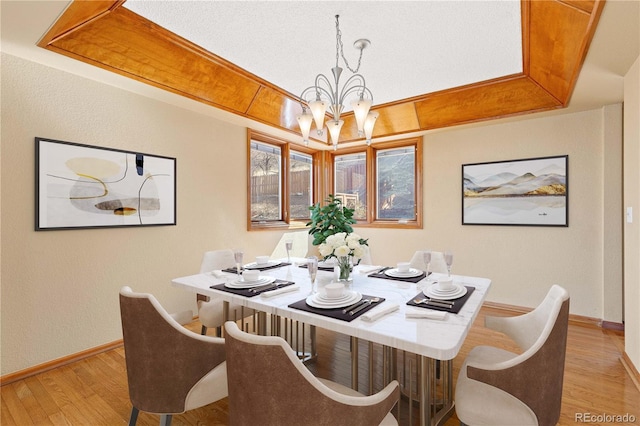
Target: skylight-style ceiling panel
416, 47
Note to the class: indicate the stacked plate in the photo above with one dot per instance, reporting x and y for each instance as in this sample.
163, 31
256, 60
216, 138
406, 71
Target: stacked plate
395, 273
255, 265
242, 283
434, 291
320, 300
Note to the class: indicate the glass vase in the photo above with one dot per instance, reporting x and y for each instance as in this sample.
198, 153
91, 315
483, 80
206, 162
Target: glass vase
344, 269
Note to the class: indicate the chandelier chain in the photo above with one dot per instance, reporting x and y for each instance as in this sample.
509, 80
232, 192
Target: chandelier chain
339, 48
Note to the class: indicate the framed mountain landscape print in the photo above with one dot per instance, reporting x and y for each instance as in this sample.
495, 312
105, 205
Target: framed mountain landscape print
526, 192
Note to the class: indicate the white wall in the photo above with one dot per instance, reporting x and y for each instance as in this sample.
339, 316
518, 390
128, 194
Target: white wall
523, 262
632, 199
59, 288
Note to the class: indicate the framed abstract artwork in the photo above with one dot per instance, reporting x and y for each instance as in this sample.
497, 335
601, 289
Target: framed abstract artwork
81, 186
526, 192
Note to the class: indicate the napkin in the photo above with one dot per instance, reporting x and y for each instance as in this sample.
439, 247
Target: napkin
368, 269
380, 311
425, 313
218, 273
280, 290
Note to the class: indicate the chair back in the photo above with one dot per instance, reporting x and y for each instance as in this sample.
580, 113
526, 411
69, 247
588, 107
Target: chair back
269, 385
536, 378
159, 355
437, 262
217, 259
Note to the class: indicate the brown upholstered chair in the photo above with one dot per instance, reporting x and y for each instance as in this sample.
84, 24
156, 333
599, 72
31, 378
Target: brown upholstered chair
170, 369
269, 385
498, 387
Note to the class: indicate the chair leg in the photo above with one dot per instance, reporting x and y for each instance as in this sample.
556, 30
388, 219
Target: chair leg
165, 420
134, 416
203, 331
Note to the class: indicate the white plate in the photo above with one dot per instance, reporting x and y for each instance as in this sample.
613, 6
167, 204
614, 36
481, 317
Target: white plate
314, 302
326, 264
250, 284
433, 291
408, 274
322, 297
269, 264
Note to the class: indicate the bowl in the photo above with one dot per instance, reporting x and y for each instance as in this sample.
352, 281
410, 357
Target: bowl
445, 284
250, 275
334, 290
262, 260
403, 266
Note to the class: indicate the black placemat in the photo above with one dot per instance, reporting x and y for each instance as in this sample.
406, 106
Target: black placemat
337, 312
381, 274
247, 291
264, 268
458, 303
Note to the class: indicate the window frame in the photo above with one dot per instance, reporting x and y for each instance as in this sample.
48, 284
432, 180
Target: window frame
371, 169
285, 150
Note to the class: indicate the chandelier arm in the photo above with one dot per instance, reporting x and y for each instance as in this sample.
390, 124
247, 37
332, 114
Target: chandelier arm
318, 90
355, 83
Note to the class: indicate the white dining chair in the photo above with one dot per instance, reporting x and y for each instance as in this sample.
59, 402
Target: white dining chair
437, 264
210, 309
499, 387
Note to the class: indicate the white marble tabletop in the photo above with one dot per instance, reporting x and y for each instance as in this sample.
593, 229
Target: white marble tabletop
438, 339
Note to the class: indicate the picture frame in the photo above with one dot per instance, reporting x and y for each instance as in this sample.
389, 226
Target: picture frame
523, 192
80, 186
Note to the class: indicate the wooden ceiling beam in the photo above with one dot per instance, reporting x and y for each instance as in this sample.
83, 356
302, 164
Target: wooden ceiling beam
556, 37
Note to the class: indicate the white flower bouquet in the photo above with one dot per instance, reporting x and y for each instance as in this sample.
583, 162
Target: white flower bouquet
346, 248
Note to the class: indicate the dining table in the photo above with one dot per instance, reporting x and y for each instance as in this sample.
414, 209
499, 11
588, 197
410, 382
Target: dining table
432, 333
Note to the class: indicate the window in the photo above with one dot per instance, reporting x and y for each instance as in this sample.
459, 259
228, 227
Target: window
383, 183
350, 182
396, 183
281, 183
300, 185
266, 182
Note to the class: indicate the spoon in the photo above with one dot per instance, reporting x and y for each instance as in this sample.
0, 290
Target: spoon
364, 305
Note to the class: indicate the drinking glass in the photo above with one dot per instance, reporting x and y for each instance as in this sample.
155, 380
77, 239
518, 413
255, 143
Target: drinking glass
312, 267
448, 259
237, 255
288, 245
426, 254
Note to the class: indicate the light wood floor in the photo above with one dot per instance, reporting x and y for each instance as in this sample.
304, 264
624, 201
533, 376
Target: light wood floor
94, 391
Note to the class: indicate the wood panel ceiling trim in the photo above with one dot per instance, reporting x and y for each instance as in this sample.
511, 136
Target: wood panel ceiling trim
556, 36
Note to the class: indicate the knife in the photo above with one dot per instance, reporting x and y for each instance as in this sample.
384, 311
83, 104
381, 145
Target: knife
347, 309
379, 270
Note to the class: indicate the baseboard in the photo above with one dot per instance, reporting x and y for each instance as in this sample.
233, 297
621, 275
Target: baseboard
41, 368
631, 369
610, 325
513, 309
574, 319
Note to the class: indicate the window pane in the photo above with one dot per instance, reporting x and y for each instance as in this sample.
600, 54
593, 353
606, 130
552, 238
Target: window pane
395, 183
300, 185
351, 182
266, 190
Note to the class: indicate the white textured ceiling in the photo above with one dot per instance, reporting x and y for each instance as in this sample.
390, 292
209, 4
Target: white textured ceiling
417, 47
615, 47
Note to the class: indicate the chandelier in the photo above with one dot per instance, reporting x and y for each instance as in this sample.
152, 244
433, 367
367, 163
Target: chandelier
324, 95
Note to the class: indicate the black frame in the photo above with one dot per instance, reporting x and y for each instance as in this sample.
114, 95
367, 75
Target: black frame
516, 202
124, 189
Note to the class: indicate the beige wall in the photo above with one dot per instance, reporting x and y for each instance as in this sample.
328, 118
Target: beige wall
632, 199
59, 288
